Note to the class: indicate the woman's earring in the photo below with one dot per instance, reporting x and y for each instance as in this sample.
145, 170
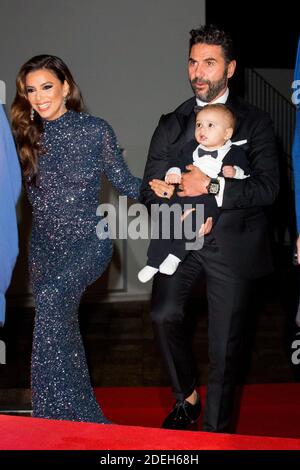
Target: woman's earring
65, 100
32, 114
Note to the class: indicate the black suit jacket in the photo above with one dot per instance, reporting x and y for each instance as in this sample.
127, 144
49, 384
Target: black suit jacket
241, 232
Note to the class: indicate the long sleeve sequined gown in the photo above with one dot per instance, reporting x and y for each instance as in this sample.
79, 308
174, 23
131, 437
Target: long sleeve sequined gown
66, 256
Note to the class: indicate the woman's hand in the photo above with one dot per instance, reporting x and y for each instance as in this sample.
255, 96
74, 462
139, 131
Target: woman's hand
161, 188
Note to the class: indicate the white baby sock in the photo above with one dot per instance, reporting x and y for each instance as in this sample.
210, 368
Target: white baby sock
169, 265
147, 273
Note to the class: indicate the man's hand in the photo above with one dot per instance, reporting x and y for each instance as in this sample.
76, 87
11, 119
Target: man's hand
193, 183
205, 228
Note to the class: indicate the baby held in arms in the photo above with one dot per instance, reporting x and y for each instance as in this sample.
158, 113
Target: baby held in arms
217, 156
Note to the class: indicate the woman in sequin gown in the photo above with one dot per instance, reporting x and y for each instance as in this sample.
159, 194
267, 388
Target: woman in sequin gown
64, 152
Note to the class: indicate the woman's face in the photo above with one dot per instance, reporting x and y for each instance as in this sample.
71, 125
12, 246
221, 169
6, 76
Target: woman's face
46, 93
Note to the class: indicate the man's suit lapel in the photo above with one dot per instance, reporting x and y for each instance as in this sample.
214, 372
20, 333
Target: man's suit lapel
234, 105
186, 119
240, 111
189, 133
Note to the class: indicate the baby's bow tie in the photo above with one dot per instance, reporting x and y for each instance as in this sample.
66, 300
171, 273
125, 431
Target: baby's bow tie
212, 153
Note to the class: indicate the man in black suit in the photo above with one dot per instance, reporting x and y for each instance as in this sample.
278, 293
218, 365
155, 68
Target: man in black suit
235, 251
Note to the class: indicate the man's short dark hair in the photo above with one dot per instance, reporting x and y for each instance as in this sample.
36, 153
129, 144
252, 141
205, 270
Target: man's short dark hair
211, 34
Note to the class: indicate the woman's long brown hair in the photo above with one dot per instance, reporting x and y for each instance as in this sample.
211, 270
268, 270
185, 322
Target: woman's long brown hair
27, 132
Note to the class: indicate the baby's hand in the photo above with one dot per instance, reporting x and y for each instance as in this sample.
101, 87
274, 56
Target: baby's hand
173, 178
228, 171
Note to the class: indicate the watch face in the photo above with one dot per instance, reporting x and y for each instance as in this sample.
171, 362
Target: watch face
214, 188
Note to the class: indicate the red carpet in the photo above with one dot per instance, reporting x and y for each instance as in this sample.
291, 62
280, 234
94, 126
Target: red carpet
36, 434
265, 409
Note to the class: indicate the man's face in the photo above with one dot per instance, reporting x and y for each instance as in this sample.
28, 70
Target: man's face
208, 71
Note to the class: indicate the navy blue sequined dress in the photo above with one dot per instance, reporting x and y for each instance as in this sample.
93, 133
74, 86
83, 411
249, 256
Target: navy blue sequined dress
66, 256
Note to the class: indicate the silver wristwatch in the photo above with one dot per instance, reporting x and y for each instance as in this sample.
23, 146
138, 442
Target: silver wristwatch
213, 186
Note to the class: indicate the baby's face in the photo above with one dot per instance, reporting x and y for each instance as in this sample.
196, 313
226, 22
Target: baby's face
212, 128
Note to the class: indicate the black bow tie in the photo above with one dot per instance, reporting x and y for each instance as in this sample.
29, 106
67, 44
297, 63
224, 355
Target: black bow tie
212, 153
197, 109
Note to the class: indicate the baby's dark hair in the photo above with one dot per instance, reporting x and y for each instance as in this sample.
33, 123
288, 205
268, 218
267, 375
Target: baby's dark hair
228, 114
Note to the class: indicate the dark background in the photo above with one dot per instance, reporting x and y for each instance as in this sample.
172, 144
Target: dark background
265, 36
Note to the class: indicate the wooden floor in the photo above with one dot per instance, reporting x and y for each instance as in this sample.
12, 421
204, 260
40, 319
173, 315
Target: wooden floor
121, 349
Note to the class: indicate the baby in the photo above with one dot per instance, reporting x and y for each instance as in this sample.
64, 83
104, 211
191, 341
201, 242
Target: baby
215, 155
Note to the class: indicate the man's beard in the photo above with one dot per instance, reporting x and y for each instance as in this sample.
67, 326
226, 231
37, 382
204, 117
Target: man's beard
214, 88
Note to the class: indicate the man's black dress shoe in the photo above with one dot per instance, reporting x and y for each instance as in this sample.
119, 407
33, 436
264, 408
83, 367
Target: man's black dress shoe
183, 415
